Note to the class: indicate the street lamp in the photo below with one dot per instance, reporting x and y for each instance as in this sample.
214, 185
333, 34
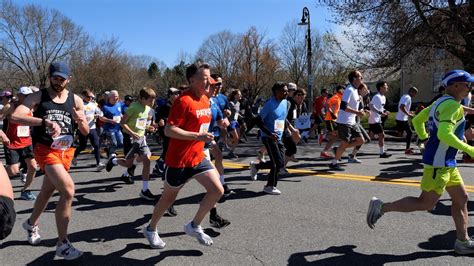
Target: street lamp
306, 21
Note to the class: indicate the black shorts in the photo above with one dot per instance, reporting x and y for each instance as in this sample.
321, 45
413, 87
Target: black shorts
376, 128
316, 119
7, 216
331, 126
177, 177
13, 156
402, 126
348, 132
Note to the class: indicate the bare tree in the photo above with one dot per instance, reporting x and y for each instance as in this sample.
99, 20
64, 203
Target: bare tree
385, 32
32, 37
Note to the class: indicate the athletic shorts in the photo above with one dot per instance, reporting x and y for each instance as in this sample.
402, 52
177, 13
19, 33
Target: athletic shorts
402, 126
177, 177
348, 132
7, 216
376, 128
139, 147
438, 178
233, 126
13, 156
46, 155
331, 125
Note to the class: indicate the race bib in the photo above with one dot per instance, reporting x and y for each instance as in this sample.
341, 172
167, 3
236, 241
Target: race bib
236, 116
141, 123
204, 128
294, 113
23, 131
303, 122
117, 118
279, 125
62, 142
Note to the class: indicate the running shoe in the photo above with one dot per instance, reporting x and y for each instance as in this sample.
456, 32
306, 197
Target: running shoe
197, 232
335, 166
171, 211
27, 195
261, 156
353, 159
127, 179
283, 171
153, 238
131, 170
375, 212
321, 139
100, 166
227, 191
232, 155
74, 161
218, 222
385, 155
161, 165
23, 178
253, 171
326, 155
409, 151
464, 247
110, 163
271, 190
34, 237
67, 251
147, 195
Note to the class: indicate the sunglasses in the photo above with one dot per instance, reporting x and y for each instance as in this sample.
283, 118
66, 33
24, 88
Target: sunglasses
90, 97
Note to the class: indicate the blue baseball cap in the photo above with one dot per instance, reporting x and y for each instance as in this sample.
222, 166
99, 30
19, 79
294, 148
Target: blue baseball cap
59, 69
456, 76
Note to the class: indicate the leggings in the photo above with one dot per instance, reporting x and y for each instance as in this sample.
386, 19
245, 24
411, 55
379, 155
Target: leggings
276, 162
94, 139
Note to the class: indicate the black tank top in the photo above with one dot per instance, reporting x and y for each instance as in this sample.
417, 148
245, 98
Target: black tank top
60, 113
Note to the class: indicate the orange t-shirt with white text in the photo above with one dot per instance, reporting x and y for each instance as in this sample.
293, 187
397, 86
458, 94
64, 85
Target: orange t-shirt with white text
190, 113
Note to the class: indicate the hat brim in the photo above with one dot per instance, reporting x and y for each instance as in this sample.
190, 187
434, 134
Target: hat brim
59, 74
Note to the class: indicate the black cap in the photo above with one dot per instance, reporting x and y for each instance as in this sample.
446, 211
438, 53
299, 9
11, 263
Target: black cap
7, 216
129, 98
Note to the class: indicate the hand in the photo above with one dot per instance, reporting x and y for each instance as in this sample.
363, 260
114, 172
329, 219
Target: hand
224, 123
361, 113
5, 139
151, 129
227, 112
205, 137
161, 123
53, 127
295, 135
411, 114
134, 135
274, 137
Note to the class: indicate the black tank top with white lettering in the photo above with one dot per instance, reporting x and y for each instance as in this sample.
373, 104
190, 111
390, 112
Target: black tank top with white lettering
60, 113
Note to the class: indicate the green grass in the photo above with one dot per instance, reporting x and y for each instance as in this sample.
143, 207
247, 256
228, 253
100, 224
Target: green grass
389, 124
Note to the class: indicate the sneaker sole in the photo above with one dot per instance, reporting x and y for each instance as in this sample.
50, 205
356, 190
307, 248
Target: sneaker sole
70, 258
192, 234
370, 214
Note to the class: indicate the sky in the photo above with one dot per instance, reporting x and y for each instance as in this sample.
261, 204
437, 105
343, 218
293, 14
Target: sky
164, 29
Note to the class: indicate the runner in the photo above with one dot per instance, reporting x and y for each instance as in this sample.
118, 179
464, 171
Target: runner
92, 112
20, 147
127, 142
446, 126
333, 105
348, 130
234, 128
134, 123
319, 108
112, 116
403, 113
272, 121
377, 111
55, 108
7, 208
187, 128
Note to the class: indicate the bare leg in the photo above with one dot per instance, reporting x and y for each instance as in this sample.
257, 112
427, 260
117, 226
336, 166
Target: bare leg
47, 190
425, 202
166, 200
459, 199
31, 163
210, 181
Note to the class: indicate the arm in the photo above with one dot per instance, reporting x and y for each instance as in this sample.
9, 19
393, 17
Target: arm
446, 135
402, 108
468, 110
7, 110
178, 133
123, 124
419, 123
346, 108
5, 139
79, 116
107, 120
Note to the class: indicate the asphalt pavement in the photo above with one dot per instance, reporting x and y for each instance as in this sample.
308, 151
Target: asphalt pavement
320, 217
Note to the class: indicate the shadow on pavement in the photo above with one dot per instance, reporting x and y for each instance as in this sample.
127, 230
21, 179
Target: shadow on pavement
442, 209
345, 255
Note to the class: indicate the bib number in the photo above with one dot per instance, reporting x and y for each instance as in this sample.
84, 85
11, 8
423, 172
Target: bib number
204, 128
279, 125
23, 131
62, 142
117, 118
141, 123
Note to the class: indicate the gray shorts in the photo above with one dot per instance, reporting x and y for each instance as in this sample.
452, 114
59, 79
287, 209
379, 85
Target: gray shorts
348, 132
139, 147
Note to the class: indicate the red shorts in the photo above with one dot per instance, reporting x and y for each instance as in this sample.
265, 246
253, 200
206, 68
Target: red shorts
45, 155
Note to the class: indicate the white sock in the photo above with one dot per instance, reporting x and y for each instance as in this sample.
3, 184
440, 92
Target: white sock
114, 161
222, 180
145, 185
125, 173
382, 149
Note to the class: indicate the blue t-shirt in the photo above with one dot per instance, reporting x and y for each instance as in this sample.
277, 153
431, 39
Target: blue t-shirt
216, 116
273, 114
112, 112
124, 107
222, 101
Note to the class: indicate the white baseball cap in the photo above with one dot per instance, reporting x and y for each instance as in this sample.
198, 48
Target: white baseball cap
25, 90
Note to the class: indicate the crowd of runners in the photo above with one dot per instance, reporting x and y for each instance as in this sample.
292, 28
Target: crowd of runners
199, 126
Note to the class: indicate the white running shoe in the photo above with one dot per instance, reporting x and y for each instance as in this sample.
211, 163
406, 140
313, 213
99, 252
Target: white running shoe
23, 178
464, 247
375, 212
253, 170
100, 166
67, 251
153, 238
32, 231
198, 233
271, 190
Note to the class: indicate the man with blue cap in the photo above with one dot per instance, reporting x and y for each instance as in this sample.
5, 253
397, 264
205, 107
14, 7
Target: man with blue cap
446, 121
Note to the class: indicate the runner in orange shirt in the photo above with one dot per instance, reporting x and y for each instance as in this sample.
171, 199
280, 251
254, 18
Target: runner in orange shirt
332, 111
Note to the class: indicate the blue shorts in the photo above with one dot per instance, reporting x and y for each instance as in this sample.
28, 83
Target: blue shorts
233, 125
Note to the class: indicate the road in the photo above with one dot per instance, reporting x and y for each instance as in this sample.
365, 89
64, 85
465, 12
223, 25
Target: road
318, 219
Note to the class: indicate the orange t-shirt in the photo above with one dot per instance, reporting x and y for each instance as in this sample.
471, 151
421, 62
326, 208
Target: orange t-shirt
334, 104
190, 113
